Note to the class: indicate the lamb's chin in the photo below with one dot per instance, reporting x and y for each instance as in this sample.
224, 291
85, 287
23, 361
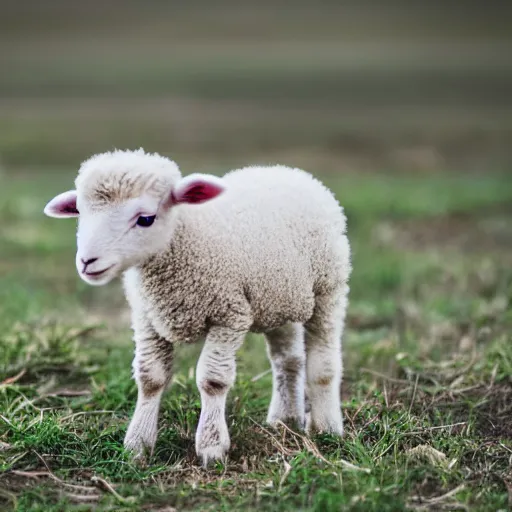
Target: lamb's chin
100, 280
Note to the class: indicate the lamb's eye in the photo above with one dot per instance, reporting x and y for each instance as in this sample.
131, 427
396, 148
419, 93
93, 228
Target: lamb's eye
145, 222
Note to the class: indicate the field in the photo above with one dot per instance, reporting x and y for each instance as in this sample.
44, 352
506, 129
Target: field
411, 128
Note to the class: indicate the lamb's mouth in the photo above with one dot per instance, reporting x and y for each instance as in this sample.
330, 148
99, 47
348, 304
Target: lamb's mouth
98, 273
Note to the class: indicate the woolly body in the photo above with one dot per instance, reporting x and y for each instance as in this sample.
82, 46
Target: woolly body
255, 258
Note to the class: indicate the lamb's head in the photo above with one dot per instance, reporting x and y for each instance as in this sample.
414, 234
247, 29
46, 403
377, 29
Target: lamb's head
125, 201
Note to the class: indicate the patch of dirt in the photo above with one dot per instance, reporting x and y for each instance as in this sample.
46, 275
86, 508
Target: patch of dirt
488, 408
492, 412
494, 415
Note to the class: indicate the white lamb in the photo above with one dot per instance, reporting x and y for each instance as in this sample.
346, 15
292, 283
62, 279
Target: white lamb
268, 255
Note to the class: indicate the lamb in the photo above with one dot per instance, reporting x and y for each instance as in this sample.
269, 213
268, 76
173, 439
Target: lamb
262, 249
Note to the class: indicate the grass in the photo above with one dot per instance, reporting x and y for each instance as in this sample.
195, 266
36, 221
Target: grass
427, 389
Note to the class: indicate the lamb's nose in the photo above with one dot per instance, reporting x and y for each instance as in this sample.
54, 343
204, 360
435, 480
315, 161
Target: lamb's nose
89, 261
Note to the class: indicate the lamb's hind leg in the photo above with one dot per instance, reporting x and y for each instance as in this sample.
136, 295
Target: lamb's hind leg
324, 363
285, 348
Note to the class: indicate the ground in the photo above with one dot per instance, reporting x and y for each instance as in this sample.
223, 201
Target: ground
427, 392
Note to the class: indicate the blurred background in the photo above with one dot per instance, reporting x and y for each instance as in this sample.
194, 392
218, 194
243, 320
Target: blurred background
328, 85
404, 109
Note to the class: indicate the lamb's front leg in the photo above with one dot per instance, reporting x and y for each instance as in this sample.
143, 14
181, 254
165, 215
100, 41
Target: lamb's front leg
216, 371
152, 371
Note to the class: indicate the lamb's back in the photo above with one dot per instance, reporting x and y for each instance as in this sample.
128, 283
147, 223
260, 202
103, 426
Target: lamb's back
287, 207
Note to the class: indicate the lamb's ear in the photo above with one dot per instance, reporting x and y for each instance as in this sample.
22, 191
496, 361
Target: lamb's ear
62, 206
196, 189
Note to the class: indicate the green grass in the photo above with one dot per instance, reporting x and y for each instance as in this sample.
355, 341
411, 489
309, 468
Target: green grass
428, 365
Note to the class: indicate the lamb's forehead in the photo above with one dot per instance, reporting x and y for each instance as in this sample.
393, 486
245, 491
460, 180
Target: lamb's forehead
118, 176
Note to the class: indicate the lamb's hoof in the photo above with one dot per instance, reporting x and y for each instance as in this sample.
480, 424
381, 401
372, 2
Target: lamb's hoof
333, 426
140, 460
140, 450
294, 422
212, 443
211, 454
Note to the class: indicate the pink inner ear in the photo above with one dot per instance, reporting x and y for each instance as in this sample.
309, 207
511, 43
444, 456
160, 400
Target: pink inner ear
66, 205
197, 192
69, 208
63, 205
